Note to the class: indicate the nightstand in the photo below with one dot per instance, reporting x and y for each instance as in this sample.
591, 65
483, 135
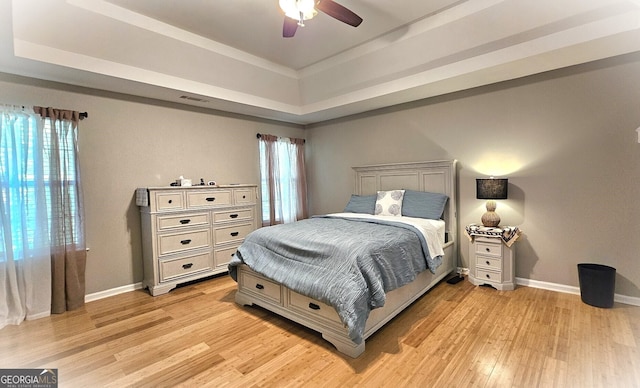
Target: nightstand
492, 256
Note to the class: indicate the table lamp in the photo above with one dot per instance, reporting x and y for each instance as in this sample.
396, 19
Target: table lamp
491, 189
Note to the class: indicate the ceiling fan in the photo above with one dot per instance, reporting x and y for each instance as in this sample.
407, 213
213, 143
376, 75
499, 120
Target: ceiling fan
297, 11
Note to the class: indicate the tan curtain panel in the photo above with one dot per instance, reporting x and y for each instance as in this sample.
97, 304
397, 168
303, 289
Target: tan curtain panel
68, 249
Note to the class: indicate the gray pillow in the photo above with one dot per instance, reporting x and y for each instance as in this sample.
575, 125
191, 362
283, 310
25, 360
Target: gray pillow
361, 204
423, 204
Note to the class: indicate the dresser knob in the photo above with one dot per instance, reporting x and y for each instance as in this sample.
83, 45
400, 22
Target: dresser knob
487, 249
314, 306
171, 201
259, 286
488, 276
488, 263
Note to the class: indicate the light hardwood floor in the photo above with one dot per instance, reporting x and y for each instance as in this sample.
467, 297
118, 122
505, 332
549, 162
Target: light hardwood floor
454, 336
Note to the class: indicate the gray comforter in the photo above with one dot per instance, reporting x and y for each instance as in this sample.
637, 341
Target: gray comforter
346, 263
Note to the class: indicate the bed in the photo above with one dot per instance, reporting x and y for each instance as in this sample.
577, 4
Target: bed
301, 271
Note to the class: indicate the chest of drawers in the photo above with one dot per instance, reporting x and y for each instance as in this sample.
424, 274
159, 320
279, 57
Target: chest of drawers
192, 232
491, 263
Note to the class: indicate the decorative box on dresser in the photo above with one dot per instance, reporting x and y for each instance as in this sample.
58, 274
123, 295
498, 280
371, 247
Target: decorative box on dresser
192, 232
492, 256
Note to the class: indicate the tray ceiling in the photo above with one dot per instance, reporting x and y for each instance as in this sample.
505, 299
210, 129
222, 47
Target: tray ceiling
230, 55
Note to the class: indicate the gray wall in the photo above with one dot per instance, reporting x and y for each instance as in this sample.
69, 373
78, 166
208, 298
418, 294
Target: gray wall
127, 143
566, 140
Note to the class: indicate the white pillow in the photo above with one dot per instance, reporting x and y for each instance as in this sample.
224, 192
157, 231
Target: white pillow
389, 203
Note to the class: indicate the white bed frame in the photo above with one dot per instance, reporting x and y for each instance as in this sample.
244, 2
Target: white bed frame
433, 176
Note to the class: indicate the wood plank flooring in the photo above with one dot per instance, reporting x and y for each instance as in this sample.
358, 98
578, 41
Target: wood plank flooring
454, 336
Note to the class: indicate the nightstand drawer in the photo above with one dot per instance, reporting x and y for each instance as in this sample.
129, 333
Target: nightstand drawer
489, 262
489, 276
258, 285
177, 242
484, 248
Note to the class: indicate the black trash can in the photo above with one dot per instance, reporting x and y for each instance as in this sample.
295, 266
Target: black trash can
597, 284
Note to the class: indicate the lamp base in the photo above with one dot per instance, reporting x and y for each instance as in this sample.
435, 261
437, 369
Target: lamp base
490, 218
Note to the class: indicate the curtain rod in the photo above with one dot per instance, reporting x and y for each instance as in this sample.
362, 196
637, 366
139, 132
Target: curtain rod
258, 135
82, 115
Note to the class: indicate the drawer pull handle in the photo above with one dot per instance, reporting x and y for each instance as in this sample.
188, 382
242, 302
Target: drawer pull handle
185, 242
488, 276
171, 201
233, 215
259, 286
488, 262
184, 222
210, 199
234, 234
487, 249
187, 266
244, 196
314, 306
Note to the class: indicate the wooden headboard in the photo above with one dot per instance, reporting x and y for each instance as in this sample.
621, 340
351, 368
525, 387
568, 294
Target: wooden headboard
433, 176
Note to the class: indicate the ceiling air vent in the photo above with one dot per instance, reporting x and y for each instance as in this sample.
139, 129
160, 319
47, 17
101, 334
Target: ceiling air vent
193, 99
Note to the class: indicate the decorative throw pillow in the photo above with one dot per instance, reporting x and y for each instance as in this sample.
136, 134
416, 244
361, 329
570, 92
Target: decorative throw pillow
423, 204
389, 203
361, 204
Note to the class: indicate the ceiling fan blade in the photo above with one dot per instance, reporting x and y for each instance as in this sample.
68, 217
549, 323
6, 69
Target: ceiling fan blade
339, 12
289, 27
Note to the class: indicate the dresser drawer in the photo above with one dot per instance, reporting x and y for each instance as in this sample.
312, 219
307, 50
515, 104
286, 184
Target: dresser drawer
489, 249
208, 198
232, 233
169, 200
244, 196
182, 221
311, 307
489, 262
223, 256
170, 269
233, 215
178, 242
490, 276
258, 285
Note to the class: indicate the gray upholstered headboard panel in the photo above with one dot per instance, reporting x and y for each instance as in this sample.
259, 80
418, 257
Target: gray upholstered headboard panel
434, 176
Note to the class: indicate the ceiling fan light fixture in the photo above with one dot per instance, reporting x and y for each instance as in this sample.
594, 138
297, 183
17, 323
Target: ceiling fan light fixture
298, 9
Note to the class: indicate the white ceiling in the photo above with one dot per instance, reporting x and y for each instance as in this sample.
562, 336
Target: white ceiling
230, 55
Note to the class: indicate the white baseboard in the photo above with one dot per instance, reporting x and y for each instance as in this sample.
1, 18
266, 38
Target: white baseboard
519, 281
572, 290
112, 292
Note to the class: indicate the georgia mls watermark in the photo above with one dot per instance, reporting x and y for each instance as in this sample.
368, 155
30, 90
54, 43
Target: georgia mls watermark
28, 378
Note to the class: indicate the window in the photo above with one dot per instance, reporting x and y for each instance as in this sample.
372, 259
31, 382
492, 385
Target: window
283, 182
25, 161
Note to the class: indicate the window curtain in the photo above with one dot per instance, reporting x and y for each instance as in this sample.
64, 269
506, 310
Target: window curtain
284, 183
25, 256
66, 235
42, 249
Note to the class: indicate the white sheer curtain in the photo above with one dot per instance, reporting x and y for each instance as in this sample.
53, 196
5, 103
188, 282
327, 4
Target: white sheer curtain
25, 256
284, 185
